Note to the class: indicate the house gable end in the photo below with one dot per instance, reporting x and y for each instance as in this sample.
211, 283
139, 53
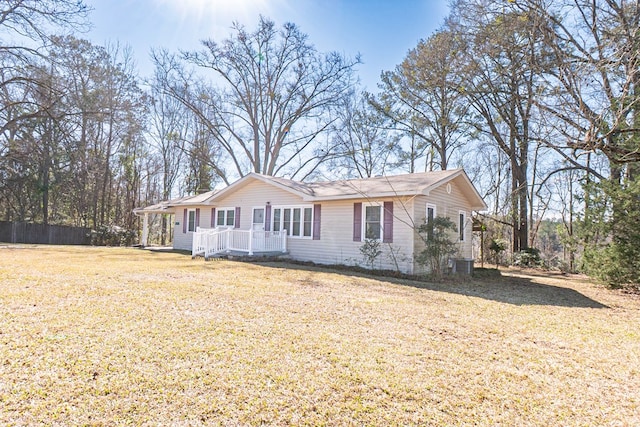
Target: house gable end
466, 187
295, 188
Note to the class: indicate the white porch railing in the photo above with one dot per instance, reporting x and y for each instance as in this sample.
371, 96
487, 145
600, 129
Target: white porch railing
211, 241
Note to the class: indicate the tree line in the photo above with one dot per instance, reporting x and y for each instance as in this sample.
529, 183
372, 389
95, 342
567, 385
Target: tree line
537, 99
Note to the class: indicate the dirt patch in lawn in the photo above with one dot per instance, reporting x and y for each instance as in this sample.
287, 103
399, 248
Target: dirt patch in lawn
95, 336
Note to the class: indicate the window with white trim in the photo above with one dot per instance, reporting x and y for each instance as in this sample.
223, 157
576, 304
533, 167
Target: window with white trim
307, 221
297, 220
276, 219
431, 215
191, 220
462, 218
372, 221
225, 217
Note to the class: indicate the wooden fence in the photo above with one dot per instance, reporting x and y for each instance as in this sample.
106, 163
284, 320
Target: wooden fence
24, 232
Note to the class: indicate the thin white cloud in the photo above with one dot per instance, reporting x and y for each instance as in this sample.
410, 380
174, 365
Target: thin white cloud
219, 14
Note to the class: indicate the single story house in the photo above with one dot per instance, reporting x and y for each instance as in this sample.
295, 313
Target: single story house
324, 222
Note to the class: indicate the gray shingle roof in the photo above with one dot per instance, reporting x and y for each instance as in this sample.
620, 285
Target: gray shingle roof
366, 188
167, 205
397, 185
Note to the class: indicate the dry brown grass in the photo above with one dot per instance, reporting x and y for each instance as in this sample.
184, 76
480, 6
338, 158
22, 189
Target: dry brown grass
95, 336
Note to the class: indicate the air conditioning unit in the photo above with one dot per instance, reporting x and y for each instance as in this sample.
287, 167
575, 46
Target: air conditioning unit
463, 266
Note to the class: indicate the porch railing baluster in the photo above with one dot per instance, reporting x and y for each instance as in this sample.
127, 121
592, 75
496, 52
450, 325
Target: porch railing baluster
212, 241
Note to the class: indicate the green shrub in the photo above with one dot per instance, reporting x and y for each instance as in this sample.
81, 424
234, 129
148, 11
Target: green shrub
440, 245
529, 257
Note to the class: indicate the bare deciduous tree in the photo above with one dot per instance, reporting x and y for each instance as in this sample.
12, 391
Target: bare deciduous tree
500, 81
24, 29
364, 144
423, 99
269, 97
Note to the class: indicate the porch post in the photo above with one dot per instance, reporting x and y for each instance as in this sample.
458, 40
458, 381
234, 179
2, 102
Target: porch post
283, 233
251, 241
145, 229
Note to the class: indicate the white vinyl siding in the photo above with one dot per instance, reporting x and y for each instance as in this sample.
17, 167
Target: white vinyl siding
336, 245
450, 206
182, 240
256, 194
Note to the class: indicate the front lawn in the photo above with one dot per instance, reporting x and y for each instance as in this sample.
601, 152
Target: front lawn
108, 336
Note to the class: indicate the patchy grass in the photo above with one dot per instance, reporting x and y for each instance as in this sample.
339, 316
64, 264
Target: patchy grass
95, 336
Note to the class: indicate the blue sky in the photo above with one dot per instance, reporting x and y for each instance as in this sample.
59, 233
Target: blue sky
381, 31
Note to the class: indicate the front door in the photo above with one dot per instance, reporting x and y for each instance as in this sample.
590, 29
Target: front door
258, 219
258, 229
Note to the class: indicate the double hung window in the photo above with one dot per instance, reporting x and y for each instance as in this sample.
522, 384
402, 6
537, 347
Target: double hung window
225, 217
297, 220
373, 222
431, 214
191, 220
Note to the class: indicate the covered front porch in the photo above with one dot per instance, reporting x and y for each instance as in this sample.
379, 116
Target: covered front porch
213, 242
166, 213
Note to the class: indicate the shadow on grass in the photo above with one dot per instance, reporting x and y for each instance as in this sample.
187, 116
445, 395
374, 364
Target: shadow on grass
518, 291
492, 286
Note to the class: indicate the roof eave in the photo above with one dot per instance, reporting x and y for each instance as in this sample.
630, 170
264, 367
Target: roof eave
479, 208
384, 195
143, 211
